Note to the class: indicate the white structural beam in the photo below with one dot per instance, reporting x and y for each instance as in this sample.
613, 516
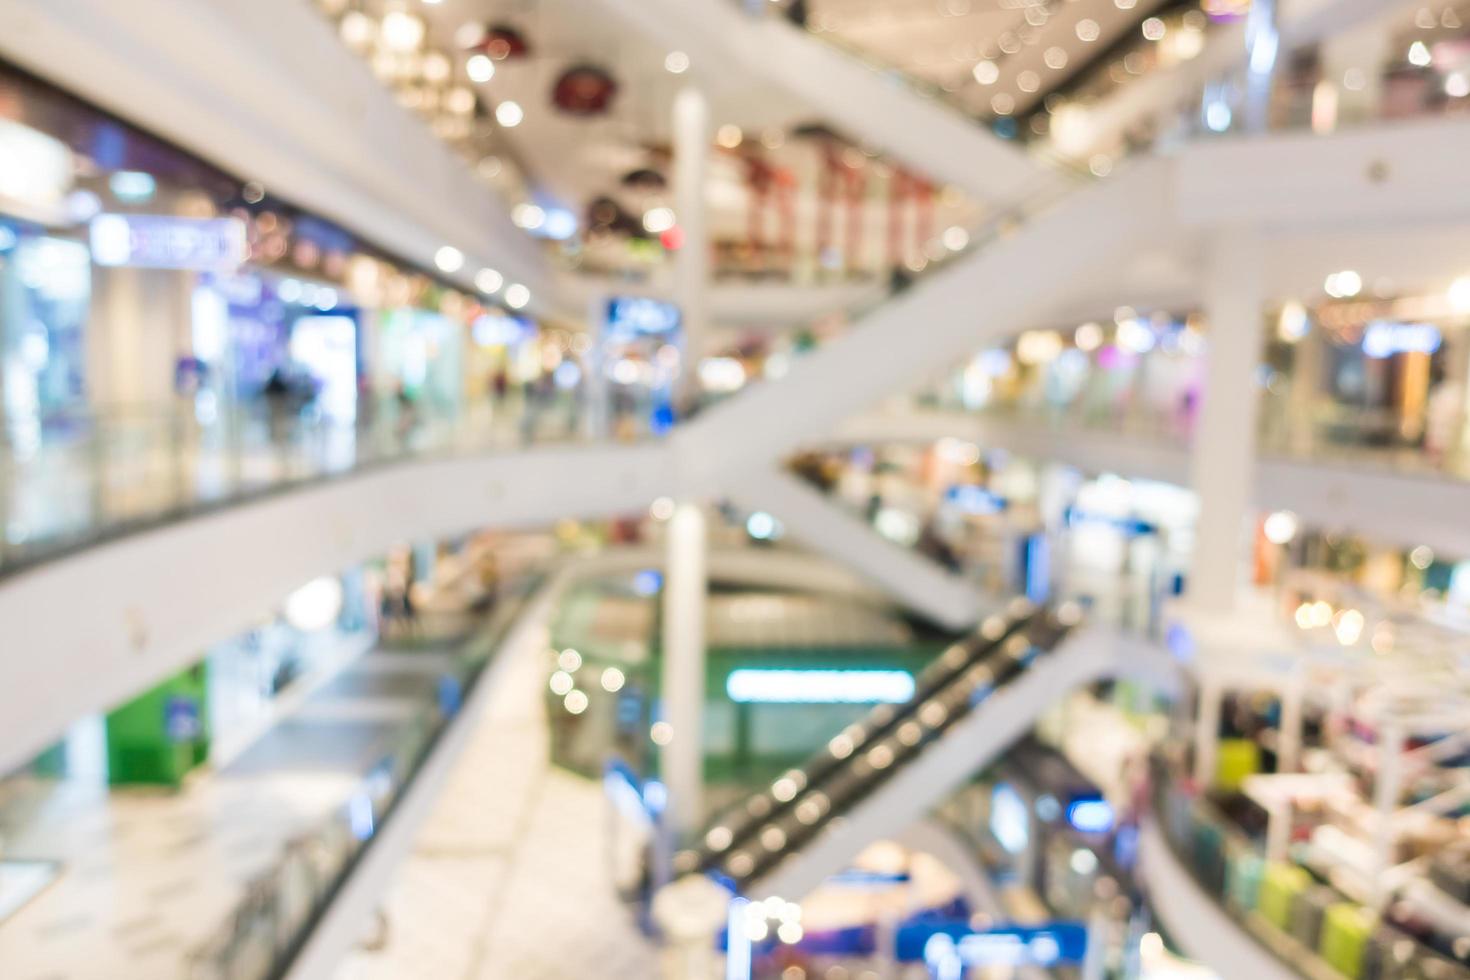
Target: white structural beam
1221, 465
985, 297
1388, 175
266, 91
685, 596
824, 527
692, 141
876, 107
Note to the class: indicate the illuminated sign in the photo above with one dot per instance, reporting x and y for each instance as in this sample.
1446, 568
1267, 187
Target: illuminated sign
1130, 526
636, 315
951, 948
1384, 338
748, 686
861, 879
153, 241
1090, 816
974, 499
1010, 823
35, 169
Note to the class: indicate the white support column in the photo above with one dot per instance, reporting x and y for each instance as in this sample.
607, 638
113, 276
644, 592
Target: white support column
1353, 63
1222, 463
1308, 361
1388, 786
1289, 743
1262, 45
692, 261
596, 410
684, 596
1207, 731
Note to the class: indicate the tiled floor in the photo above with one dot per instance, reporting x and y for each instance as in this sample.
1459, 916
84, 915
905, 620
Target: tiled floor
509, 879
149, 875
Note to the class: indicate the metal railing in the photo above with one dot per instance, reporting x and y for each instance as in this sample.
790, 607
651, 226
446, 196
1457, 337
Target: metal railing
72, 480
282, 906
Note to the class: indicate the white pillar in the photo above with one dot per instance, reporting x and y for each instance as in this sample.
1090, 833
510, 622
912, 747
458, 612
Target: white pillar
1388, 786
1289, 744
692, 261
596, 410
684, 596
1222, 463
1207, 731
1308, 360
139, 325
1262, 45
1353, 63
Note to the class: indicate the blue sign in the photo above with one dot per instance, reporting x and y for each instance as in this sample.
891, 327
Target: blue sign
1384, 338
450, 694
641, 316
858, 878
973, 499
1036, 561
1090, 816
951, 948
181, 719
156, 241
1131, 526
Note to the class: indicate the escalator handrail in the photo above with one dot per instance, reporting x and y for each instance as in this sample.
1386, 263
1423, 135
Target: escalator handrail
815, 808
739, 824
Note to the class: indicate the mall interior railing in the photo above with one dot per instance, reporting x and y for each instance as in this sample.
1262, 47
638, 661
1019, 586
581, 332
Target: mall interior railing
281, 907
70, 481
1326, 433
745, 844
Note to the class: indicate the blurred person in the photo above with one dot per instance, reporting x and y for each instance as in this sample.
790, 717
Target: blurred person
935, 546
281, 406
875, 506
408, 413
367, 409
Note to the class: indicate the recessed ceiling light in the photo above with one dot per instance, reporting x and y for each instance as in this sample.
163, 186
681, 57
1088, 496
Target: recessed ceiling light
509, 114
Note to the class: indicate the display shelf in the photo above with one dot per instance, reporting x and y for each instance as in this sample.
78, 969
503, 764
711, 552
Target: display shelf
1443, 910
1204, 930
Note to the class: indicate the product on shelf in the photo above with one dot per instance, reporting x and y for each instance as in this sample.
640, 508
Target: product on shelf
1346, 929
1280, 885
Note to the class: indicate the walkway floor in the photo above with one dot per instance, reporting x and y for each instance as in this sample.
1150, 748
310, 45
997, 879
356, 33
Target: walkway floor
510, 879
148, 875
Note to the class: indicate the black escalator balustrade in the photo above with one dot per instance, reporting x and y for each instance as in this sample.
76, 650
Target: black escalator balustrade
736, 827
803, 802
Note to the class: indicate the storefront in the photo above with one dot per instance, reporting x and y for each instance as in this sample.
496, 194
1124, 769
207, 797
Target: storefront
1371, 373
138, 281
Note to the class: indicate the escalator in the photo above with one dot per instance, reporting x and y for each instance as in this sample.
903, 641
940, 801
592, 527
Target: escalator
906, 574
880, 108
880, 774
1023, 272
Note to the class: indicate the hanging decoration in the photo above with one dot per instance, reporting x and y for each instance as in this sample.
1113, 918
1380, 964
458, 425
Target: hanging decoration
503, 42
855, 179
922, 192
584, 90
645, 179
606, 216
899, 187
